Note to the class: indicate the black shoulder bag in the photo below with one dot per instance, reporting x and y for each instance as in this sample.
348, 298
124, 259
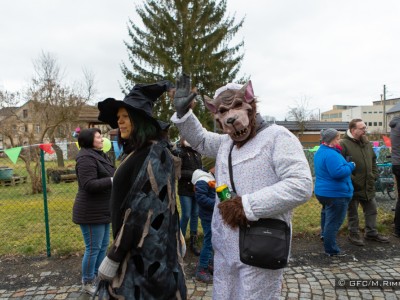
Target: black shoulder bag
264, 243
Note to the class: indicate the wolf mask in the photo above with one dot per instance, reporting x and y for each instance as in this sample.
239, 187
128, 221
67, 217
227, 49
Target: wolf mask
234, 109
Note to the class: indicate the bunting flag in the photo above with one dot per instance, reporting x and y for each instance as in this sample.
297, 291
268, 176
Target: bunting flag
117, 149
77, 146
13, 153
47, 148
314, 149
377, 150
387, 141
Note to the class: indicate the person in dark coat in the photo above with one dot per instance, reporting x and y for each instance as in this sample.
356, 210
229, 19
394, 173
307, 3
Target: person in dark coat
355, 145
395, 139
191, 161
91, 209
145, 259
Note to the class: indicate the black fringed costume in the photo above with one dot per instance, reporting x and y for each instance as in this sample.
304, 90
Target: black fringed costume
145, 224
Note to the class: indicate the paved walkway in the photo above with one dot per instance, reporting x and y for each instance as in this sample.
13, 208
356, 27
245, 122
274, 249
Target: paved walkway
305, 282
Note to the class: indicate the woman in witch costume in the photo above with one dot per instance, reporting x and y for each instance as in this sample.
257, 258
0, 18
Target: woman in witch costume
145, 259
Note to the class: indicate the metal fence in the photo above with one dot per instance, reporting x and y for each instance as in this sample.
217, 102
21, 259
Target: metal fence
41, 223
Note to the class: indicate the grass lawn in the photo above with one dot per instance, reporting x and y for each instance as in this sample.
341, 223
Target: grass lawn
24, 231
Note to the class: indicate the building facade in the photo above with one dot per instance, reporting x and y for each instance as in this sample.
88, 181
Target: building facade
375, 116
335, 114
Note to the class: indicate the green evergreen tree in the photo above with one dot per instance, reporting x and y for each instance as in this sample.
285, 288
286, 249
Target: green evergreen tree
191, 36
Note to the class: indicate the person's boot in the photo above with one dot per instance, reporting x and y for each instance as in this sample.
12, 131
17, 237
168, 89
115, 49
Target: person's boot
211, 267
90, 287
355, 239
193, 244
203, 275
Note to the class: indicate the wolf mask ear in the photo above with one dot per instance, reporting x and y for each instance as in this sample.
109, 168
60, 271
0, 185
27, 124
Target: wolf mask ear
209, 103
247, 91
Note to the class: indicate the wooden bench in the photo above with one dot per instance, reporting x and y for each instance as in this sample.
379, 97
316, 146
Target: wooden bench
68, 178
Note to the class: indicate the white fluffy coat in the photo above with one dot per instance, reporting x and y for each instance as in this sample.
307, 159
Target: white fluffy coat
272, 175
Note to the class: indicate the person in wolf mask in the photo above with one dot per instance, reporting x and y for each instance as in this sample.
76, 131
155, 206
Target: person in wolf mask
270, 172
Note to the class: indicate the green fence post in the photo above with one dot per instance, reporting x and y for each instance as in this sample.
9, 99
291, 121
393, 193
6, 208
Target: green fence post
46, 211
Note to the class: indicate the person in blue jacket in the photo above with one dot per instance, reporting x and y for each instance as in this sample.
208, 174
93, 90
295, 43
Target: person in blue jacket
204, 185
333, 188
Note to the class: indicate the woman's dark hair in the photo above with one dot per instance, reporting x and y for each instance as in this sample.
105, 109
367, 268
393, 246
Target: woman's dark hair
86, 137
144, 131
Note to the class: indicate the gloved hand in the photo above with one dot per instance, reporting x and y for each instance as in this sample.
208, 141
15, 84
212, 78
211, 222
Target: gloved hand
108, 269
183, 97
232, 212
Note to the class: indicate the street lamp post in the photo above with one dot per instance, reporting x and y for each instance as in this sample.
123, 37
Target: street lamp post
319, 113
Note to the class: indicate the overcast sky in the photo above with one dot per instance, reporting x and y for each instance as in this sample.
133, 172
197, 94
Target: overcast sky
326, 51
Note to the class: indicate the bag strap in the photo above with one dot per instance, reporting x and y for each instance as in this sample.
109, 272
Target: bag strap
230, 169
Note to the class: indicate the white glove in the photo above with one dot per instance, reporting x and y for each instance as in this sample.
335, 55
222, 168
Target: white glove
108, 269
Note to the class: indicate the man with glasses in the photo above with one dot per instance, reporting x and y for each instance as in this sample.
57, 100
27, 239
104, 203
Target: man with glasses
356, 148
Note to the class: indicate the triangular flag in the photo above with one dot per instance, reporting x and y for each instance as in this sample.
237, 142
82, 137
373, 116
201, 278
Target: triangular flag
117, 149
387, 141
77, 145
314, 149
377, 150
46, 148
13, 153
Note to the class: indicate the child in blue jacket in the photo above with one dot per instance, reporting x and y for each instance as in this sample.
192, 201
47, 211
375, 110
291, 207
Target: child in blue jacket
204, 184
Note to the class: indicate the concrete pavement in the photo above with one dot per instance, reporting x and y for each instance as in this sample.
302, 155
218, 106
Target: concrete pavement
300, 282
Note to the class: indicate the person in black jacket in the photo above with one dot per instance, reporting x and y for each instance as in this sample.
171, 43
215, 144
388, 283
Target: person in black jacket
91, 209
395, 138
191, 161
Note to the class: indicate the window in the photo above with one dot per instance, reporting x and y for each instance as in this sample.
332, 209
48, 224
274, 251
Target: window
26, 128
370, 112
375, 123
369, 123
375, 112
25, 113
380, 123
364, 112
37, 128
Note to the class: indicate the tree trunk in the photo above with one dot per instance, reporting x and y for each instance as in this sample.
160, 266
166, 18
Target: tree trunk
59, 154
35, 172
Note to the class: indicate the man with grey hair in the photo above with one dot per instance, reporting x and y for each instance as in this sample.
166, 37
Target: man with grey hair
356, 147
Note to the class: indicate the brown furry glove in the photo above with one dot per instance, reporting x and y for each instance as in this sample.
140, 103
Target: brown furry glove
232, 212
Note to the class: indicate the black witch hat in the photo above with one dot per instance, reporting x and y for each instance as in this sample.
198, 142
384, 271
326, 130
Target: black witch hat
139, 100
